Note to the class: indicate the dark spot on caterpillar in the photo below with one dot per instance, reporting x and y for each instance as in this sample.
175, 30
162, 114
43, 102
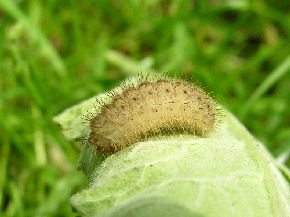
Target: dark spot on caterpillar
154, 109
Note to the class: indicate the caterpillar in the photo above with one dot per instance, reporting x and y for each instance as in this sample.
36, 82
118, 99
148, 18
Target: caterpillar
151, 107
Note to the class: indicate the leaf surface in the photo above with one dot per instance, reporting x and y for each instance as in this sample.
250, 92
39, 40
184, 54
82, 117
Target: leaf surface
228, 173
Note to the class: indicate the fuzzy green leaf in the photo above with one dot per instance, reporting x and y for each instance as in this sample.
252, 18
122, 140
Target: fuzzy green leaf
229, 173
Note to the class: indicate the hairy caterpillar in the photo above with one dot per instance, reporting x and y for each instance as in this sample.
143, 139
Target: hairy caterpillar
151, 107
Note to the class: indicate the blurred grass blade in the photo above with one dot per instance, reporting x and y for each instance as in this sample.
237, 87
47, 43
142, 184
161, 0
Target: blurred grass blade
129, 66
36, 35
282, 158
59, 194
274, 76
16, 207
4, 154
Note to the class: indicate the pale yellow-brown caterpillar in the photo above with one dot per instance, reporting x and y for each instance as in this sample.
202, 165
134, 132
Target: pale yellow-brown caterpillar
152, 107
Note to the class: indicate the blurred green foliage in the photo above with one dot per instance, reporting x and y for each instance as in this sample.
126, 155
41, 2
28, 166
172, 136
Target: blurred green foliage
54, 54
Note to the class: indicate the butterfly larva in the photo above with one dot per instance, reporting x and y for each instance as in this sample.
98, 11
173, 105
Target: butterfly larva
149, 108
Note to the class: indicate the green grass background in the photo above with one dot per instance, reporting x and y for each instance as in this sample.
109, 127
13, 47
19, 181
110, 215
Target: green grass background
54, 54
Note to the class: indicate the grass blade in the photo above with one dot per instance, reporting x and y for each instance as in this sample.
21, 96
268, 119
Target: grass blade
36, 35
274, 76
